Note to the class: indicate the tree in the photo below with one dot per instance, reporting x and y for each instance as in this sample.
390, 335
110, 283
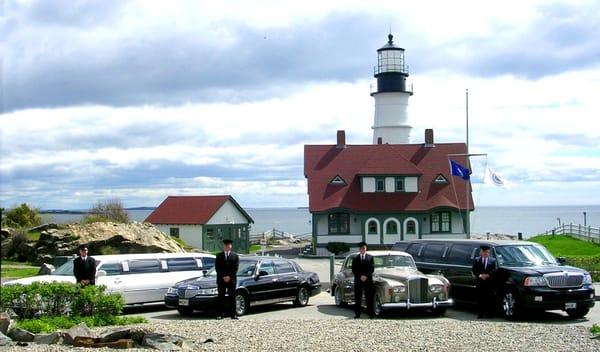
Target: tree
337, 247
22, 216
110, 210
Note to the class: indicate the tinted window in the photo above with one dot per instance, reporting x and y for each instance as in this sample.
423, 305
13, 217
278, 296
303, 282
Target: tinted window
413, 249
207, 262
111, 268
283, 267
268, 267
144, 266
400, 246
66, 269
433, 253
460, 254
348, 264
182, 264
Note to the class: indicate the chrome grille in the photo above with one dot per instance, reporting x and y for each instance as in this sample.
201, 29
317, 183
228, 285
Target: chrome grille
562, 280
418, 290
186, 293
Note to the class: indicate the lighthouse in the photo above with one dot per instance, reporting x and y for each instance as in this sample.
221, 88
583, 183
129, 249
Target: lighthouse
391, 96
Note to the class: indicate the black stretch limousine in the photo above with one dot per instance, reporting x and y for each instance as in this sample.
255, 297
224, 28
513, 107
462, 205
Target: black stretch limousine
528, 276
260, 280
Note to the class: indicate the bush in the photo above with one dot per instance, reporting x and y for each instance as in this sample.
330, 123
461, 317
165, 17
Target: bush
51, 324
22, 216
91, 300
107, 211
590, 264
337, 247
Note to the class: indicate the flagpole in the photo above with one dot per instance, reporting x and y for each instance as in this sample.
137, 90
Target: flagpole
468, 229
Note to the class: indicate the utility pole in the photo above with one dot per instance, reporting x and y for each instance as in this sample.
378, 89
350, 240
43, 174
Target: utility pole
584, 218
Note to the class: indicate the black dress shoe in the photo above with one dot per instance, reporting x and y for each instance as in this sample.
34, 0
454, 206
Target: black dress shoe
235, 318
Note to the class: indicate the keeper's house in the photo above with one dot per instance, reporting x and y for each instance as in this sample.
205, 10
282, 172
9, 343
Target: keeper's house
384, 193
204, 221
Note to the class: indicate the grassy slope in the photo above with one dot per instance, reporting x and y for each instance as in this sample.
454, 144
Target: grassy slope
565, 246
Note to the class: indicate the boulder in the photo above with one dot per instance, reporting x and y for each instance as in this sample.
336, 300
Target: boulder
80, 330
46, 269
44, 227
48, 339
7, 232
21, 335
4, 322
5, 340
115, 334
163, 342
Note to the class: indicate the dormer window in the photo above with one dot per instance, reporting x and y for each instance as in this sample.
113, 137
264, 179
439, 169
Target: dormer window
440, 180
338, 180
380, 184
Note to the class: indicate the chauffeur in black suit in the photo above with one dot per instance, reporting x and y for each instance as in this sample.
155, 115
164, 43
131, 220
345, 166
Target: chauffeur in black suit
226, 265
362, 268
484, 269
84, 267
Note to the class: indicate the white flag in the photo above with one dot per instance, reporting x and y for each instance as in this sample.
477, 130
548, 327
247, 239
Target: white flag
490, 177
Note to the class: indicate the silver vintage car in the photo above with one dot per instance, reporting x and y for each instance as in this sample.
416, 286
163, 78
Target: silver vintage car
398, 284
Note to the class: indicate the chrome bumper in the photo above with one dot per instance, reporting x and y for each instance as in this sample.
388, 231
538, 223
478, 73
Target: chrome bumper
408, 305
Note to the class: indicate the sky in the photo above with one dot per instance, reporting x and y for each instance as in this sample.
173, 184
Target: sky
136, 101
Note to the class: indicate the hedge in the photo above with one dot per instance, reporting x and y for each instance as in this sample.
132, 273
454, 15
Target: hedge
590, 264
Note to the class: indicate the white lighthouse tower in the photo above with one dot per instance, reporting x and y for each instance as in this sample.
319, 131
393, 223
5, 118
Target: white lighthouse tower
391, 96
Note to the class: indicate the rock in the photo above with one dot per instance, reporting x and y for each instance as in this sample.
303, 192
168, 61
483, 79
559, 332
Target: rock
84, 341
112, 335
44, 227
18, 334
5, 340
48, 339
163, 342
46, 269
81, 341
7, 232
4, 322
137, 334
80, 330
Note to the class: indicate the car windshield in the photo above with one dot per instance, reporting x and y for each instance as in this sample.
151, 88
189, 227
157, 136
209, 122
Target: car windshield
247, 267
524, 255
386, 261
65, 270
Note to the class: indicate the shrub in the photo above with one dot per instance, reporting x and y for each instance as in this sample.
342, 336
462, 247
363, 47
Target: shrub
590, 264
104, 211
595, 329
91, 300
22, 216
337, 247
51, 324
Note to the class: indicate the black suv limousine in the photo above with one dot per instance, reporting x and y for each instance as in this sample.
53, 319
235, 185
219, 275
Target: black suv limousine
528, 277
260, 280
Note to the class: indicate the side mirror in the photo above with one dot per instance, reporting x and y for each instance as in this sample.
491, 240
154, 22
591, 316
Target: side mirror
100, 273
263, 273
561, 260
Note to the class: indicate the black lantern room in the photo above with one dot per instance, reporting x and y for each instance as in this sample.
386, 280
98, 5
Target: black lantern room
391, 70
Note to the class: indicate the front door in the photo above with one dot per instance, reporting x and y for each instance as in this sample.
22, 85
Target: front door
266, 284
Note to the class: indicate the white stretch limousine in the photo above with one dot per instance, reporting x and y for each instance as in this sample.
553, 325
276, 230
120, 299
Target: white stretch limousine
140, 278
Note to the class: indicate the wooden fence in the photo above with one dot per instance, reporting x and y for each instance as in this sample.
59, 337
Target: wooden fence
586, 233
278, 234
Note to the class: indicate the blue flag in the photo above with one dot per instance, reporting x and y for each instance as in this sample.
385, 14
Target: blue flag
459, 170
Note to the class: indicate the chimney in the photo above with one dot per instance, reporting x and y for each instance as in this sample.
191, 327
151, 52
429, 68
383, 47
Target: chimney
379, 140
429, 138
341, 139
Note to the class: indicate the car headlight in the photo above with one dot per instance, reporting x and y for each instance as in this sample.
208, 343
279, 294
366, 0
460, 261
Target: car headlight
207, 291
399, 289
172, 291
535, 281
436, 288
587, 279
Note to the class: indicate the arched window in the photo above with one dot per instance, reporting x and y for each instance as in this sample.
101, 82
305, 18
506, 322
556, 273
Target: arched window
411, 227
391, 226
372, 227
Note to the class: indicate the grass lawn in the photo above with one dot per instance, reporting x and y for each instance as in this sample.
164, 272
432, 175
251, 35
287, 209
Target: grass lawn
33, 236
565, 246
17, 273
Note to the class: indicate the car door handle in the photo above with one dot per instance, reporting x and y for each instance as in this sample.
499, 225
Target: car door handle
275, 280
295, 276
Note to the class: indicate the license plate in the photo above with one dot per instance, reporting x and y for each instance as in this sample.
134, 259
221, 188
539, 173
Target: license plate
570, 305
184, 302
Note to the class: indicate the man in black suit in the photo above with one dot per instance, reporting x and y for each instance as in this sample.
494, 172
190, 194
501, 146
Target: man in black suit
362, 268
84, 267
226, 265
484, 268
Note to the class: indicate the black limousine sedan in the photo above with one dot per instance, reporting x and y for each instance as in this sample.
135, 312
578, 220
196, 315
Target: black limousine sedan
260, 280
528, 277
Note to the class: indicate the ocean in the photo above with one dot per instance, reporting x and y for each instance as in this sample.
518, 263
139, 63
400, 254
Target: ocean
508, 220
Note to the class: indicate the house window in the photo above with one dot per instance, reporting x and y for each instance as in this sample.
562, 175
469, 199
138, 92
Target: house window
380, 184
391, 228
372, 227
210, 234
174, 232
399, 184
339, 223
440, 221
411, 227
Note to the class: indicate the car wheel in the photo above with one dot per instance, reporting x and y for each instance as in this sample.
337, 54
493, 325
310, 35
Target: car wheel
510, 306
578, 313
241, 304
338, 297
302, 297
187, 311
377, 308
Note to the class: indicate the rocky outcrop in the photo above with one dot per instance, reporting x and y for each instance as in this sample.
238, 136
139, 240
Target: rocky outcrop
105, 238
